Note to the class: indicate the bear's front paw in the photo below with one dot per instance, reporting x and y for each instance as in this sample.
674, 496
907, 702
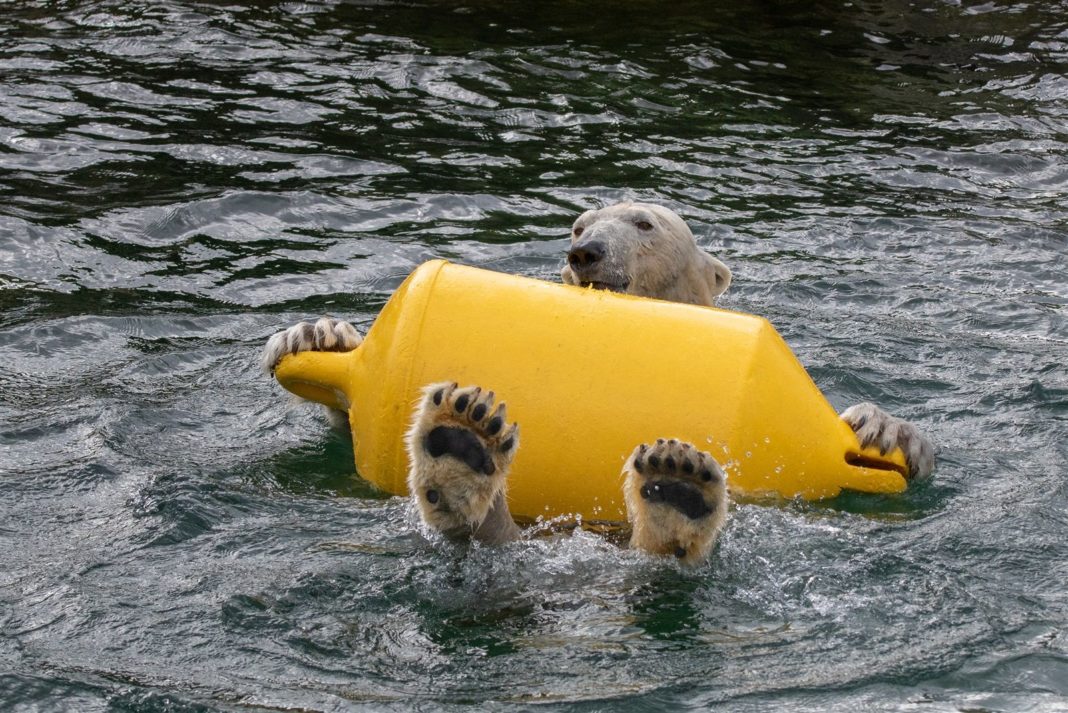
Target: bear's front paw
875, 427
676, 498
326, 335
459, 448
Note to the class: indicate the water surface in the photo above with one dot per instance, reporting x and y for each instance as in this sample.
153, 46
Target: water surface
888, 181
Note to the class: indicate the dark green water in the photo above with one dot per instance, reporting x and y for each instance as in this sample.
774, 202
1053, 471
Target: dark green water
888, 181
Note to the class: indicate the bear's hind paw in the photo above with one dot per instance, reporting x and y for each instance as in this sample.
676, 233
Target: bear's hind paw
676, 498
460, 449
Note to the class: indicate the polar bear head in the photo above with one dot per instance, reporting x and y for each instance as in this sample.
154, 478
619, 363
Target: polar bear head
642, 249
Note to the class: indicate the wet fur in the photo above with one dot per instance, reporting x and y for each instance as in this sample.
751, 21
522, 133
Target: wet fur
460, 447
875, 427
648, 251
664, 528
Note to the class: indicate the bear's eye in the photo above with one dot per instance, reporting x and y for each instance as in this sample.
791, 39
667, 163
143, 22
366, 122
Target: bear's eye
577, 231
643, 225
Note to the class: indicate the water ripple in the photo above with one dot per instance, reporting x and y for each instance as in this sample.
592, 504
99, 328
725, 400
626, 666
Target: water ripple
886, 180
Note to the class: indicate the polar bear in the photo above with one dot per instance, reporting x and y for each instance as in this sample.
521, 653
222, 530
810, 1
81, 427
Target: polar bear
460, 444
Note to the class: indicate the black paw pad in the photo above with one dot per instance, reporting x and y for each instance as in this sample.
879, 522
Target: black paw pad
461, 403
682, 496
460, 444
478, 412
438, 396
494, 426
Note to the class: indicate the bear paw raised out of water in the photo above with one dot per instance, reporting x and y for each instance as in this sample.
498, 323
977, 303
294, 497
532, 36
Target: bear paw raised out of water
676, 498
460, 448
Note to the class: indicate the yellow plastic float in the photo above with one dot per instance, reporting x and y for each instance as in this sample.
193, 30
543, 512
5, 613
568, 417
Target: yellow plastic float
588, 375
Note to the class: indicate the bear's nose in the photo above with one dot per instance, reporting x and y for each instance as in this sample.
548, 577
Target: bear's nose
586, 254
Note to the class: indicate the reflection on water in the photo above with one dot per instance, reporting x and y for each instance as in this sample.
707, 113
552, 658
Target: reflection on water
886, 179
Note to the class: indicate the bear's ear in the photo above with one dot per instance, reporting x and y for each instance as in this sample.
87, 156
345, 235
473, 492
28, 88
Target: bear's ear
567, 276
717, 274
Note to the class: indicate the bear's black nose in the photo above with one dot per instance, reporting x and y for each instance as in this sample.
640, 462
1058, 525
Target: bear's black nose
585, 254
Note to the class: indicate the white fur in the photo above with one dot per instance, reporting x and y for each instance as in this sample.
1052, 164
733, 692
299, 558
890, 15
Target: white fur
463, 498
875, 427
648, 251
326, 335
660, 529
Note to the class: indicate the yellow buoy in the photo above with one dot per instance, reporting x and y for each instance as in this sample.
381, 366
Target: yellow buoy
588, 375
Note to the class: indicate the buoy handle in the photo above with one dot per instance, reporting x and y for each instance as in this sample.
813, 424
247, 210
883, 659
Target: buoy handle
323, 377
